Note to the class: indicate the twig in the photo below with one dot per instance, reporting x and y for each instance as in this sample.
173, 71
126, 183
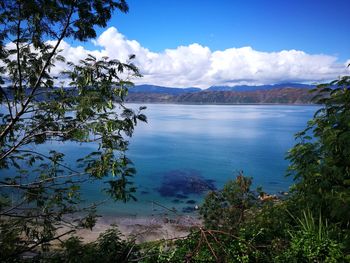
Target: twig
206, 240
158, 204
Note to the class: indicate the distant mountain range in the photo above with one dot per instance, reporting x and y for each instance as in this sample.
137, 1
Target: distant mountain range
261, 87
168, 90
285, 93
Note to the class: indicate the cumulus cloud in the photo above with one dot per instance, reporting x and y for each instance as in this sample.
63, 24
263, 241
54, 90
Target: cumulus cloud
198, 66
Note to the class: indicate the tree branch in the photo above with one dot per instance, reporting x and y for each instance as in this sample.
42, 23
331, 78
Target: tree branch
18, 48
37, 84
7, 102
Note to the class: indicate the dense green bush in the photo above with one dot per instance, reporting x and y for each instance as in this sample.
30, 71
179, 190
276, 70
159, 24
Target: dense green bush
320, 161
231, 203
109, 247
311, 241
205, 246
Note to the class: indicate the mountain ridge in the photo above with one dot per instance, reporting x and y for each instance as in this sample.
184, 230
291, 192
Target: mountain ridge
261, 87
146, 88
272, 96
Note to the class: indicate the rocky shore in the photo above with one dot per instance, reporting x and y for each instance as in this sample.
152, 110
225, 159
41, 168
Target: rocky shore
143, 229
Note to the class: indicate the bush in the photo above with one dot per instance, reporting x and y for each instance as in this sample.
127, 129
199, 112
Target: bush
109, 247
320, 161
311, 241
231, 204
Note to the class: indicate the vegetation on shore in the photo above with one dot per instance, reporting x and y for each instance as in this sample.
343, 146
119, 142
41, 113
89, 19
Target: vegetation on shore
274, 96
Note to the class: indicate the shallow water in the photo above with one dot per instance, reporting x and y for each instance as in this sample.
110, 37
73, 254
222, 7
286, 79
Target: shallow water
209, 142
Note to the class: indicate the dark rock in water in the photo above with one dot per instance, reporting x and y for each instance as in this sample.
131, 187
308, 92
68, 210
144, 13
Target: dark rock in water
180, 196
144, 192
188, 209
179, 183
191, 202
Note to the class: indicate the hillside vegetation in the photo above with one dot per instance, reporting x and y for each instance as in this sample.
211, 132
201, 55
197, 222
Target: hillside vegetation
274, 96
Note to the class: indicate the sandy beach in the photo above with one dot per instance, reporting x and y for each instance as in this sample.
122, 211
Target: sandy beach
142, 229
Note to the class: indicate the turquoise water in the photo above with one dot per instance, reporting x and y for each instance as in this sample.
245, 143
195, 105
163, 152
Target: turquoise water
213, 142
206, 142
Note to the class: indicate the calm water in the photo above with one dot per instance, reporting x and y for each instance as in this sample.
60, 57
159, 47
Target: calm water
210, 143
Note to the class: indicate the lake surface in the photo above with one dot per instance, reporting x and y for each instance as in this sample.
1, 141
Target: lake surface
210, 142
182, 145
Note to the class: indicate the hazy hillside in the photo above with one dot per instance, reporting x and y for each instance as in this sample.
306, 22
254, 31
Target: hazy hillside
266, 94
260, 87
277, 95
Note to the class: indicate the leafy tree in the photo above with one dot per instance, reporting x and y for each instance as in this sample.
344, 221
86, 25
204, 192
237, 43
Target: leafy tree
227, 209
38, 190
109, 247
320, 161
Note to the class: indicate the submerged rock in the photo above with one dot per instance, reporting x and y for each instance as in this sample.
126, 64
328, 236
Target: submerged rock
180, 183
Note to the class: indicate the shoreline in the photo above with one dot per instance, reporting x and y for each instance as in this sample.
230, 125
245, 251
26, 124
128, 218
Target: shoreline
142, 228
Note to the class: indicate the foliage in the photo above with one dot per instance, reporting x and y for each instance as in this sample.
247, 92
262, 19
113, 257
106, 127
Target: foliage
204, 246
269, 234
231, 203
311, 241
238, 227
268, 228
254, 229
39, 191
109, 247
320, 161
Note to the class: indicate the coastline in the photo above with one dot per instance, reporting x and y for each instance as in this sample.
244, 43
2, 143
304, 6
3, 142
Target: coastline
142, 228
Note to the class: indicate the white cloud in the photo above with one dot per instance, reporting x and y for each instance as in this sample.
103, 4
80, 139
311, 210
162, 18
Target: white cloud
198, 66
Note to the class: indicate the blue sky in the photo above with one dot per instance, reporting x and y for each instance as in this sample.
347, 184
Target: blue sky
230, 41
314, 26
